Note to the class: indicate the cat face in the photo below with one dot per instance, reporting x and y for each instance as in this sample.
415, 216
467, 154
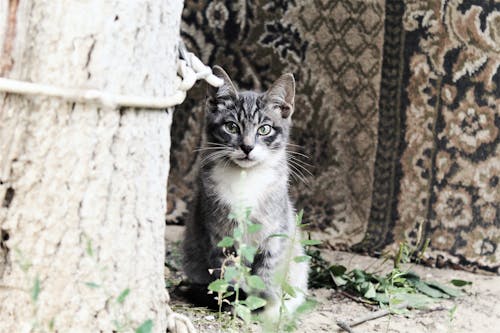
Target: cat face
248, 128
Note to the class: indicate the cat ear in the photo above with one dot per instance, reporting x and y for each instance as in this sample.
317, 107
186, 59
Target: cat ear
282, 94
227, 88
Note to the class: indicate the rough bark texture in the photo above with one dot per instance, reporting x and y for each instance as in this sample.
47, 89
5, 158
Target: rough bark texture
82, 188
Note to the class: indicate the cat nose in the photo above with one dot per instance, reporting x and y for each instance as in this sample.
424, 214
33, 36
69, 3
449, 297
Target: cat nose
246, 149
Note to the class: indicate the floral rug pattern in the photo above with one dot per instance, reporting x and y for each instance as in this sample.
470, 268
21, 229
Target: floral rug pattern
397, 108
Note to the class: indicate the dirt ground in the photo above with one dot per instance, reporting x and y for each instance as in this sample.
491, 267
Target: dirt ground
477, 311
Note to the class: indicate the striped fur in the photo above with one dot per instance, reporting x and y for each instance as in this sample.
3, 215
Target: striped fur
244, 168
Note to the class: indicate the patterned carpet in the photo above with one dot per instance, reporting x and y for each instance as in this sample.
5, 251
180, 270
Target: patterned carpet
397, 107
441, 91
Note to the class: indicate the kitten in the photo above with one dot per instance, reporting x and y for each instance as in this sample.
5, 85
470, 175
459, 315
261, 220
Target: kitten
247, 131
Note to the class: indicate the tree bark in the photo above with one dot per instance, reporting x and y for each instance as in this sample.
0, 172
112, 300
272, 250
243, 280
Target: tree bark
82, 187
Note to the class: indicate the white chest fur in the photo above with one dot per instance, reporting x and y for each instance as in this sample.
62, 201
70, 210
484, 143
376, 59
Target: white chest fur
243, 188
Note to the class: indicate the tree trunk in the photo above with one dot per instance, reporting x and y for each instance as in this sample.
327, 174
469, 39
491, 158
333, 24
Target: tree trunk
82, 187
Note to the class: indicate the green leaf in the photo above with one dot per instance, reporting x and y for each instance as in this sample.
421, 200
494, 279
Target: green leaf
230, 272
254, 281
226, 242
370, 291
146, 327
89, 250
237, 233
121, 298
290, 326
248, 212
23, 262
310, 242
460, 283
254, 302
411, 276
381, 298
92, 285
254, 227
359, 275
452, 312
299, 216
301, 258
339, 281
35, 290
279, 235
119, 327
248, 252
288, 289
424, 288
399, 281
307, 306
243, 312
416, 301
218, 286
337, 270
51, 324
453, 292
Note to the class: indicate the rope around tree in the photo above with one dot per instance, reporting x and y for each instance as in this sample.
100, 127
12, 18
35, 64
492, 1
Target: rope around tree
189, 70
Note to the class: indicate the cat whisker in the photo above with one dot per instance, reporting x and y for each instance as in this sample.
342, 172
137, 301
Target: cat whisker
298, 178
210, 146
300, 169
297, 153
300, 166
297, 157
303, 163
207, 148
212, 156
293, 176
226, 163
294, 171
209, 143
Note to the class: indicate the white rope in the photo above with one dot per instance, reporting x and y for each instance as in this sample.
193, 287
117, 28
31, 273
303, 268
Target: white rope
179, 323
189, 69
176, 322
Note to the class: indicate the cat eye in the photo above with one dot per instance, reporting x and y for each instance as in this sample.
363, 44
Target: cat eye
231, 127
264, 130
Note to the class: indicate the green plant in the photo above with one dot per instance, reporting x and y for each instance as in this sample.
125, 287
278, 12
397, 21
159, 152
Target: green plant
398, 286
146, 327
235, 275
451, 317
31, 279
121, 321
235, 272
287, 290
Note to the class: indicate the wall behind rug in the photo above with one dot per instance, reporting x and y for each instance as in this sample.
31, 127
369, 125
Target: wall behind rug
397, 108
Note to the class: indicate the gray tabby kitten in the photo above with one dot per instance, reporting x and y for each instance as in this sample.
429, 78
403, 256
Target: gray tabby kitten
247, 131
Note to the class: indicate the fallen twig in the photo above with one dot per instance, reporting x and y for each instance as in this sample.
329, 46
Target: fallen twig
374, 315
357, 299
5, 287
439, 308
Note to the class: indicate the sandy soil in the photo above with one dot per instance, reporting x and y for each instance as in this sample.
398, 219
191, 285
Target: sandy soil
478, 311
